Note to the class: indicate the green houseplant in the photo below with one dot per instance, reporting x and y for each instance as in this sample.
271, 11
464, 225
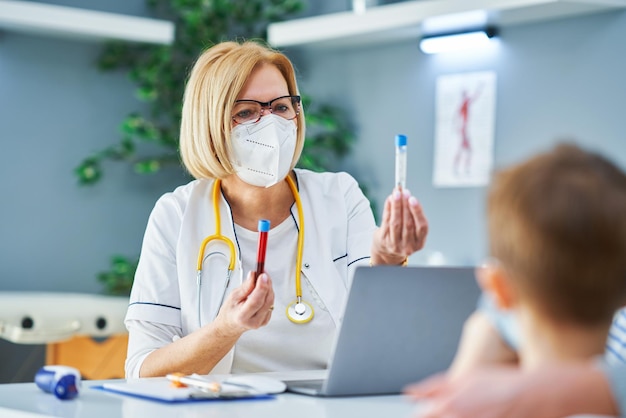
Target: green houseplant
159, 73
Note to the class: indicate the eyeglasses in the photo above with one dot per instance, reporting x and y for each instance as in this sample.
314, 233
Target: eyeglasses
249, 111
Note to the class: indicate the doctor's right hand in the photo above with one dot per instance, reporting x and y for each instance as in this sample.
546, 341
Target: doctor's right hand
249, 306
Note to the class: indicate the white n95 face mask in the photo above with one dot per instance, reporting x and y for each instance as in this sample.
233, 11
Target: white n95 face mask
263, 151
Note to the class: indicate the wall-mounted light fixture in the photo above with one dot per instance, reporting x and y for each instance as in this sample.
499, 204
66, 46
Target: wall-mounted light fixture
457, 41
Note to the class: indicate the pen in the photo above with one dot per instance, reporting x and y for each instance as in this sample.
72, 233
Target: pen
264, 227
180, 380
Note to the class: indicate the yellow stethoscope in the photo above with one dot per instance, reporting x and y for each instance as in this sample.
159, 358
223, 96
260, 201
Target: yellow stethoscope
298, 311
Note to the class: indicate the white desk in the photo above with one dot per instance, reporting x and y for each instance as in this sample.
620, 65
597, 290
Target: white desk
25, 400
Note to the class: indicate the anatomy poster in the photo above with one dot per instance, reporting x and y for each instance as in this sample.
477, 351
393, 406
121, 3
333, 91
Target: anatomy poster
464, 129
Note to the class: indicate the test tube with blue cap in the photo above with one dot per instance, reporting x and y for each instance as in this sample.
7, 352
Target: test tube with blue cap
263, 227
401, 162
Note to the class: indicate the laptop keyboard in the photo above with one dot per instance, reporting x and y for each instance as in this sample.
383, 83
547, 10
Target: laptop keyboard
308, 384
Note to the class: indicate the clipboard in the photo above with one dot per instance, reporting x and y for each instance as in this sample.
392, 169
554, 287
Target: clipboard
161, 390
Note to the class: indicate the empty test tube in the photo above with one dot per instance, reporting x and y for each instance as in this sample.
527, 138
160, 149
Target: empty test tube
401, 161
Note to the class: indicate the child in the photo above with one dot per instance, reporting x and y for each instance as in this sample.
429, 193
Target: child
557, 228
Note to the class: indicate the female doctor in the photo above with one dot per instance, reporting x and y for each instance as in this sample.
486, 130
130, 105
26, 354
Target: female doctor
196, 305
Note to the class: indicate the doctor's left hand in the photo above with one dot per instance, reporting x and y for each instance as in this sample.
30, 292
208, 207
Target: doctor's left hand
403, 229
249, 306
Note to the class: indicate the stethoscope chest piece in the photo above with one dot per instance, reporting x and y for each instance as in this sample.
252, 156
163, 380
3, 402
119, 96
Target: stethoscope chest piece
299, 312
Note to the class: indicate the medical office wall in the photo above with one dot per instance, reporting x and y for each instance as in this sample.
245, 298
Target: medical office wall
556, 79
56, 108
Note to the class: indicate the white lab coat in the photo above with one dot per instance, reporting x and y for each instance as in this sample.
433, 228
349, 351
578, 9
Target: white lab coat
338, 234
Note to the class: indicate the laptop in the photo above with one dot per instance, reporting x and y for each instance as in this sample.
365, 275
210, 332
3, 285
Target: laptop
401, 324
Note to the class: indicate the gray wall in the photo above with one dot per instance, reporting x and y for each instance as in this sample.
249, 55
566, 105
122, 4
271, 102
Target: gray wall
56, 109
558, 79
554, 79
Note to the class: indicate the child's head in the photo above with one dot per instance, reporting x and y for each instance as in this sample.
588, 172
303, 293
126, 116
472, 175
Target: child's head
557, 226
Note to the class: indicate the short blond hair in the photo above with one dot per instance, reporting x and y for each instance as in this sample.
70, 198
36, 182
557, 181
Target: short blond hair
557, 223
216, 79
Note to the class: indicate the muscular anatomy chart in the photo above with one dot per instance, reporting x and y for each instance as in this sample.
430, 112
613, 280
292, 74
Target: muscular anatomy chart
465, 122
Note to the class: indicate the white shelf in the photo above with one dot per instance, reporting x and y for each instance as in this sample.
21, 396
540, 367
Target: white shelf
46, 19
403, 20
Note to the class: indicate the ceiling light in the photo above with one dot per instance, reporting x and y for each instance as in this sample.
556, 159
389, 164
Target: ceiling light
457, 41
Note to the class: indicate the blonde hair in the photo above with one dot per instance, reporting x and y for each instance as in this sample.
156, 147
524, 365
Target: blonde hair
216, 79
557, 223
